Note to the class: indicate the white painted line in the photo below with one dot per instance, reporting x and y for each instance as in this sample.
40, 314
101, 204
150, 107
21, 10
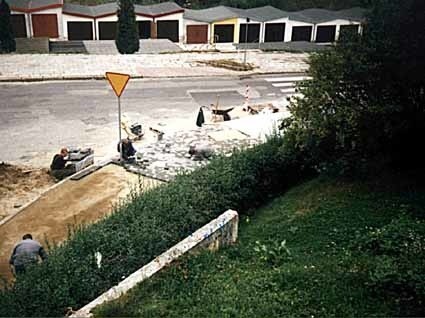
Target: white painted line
287, 79
288, 90
284, 84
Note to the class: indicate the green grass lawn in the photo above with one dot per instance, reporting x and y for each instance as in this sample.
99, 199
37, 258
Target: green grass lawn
304, 254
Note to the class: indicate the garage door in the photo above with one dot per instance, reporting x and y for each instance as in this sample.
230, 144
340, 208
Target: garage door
326, 34
224, 33
78, 31
168, 29
301, 33
253, 33
348, 30
144, 29
45, 25
18, 25
107, 30
275, 32
197, 34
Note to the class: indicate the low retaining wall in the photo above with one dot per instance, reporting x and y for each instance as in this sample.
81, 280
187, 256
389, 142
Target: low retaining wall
26, 46
219, 232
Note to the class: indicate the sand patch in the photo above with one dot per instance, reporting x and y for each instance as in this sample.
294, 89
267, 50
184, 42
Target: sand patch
20, 185
69, 204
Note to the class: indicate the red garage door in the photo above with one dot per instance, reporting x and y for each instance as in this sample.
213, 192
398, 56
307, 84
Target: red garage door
45, 25
197, 34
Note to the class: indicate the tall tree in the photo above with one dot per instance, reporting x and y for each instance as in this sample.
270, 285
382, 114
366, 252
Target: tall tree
7, 38
127, 40
367, 95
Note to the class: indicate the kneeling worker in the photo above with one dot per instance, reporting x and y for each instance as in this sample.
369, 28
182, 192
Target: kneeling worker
58, 168
25, 253
128, 150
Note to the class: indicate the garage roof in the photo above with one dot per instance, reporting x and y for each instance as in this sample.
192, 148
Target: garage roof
106, 9
33, 5
219, 13
322, 15
267, 13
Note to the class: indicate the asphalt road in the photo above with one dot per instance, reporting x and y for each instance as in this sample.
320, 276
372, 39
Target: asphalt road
37, 119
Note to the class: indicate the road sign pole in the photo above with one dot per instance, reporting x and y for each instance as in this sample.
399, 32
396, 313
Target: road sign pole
119, 127
246, 41
118, 82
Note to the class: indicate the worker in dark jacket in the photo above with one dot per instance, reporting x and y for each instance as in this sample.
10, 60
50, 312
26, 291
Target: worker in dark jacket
25, 253
128, 150
58, 168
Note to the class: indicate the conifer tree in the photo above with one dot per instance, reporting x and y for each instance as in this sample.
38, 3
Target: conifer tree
127, 40
7, 39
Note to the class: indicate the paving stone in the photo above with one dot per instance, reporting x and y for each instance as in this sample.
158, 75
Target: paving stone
164, 159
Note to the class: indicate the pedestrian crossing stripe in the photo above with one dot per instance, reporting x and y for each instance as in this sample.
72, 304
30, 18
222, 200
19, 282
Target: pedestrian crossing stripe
288, 79
284, 84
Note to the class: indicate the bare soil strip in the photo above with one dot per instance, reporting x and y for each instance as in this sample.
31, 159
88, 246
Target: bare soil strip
72, 203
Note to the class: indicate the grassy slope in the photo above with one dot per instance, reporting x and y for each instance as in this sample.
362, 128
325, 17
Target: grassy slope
321, 277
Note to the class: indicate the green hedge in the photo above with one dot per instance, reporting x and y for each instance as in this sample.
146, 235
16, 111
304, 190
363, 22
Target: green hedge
146, 226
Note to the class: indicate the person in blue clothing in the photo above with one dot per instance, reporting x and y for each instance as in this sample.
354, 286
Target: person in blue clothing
26, 252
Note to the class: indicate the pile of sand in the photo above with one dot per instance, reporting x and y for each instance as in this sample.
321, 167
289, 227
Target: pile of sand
20, 185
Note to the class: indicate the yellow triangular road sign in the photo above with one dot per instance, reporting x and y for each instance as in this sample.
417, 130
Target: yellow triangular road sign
118, 81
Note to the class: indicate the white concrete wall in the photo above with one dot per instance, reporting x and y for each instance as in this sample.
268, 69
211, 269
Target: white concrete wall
58, 12
219, 232
291, 23
175, 16
71, 18
187, 22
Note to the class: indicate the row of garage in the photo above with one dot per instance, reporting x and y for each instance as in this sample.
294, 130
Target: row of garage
167, 20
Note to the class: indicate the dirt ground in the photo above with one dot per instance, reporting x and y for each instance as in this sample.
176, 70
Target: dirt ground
71, 203
20, 185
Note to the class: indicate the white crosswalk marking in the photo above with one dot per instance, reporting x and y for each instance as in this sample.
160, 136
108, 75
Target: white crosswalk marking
288, 79
287, 84
288, 90
284, 84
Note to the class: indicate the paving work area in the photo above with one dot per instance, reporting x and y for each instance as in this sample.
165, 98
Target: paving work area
80, 66
164, 159
68, 204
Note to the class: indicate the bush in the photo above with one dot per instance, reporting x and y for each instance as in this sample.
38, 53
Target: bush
142, 229
398, 269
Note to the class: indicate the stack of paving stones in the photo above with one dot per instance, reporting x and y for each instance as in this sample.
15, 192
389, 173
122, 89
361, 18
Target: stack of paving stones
166, 158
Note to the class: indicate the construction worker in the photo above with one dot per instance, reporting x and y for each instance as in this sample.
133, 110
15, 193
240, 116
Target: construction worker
200, 152
128, 150
25, 253
58, 167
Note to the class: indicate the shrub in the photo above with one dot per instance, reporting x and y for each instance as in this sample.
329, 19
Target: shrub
397, 271
142, 229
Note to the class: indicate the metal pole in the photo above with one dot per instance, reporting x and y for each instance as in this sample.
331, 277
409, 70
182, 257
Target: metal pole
119, 127
246, 43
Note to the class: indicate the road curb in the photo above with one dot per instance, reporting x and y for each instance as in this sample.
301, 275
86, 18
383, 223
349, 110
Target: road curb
102, 77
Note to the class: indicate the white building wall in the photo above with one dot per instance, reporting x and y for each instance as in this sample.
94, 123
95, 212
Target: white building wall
71, 18
175, 16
